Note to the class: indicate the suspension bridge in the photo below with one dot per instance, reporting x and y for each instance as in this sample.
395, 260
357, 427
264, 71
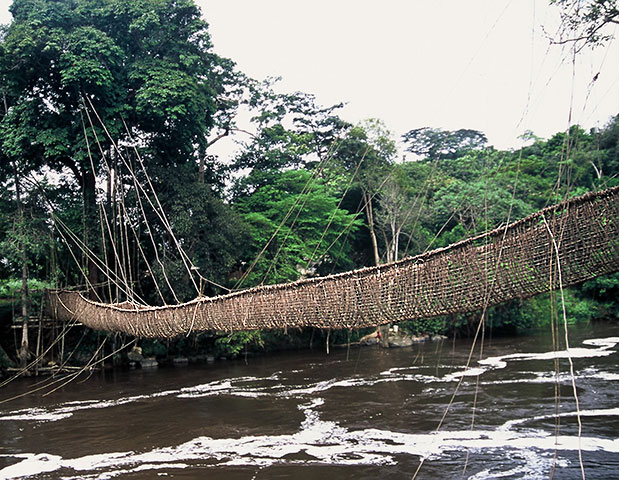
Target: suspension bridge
558, 246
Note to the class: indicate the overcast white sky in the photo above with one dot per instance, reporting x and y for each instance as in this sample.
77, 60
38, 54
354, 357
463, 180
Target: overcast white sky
480, 64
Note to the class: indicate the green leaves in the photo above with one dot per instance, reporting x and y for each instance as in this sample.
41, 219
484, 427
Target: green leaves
433, 143
88, 59
300, 224
148, 61
588, 22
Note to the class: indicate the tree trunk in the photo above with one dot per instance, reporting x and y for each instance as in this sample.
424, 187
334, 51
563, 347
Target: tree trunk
24, 350
201, 168
90, 219
370, 215
384, 330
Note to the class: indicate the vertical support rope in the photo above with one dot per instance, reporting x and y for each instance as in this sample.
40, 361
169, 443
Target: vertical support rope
567, 346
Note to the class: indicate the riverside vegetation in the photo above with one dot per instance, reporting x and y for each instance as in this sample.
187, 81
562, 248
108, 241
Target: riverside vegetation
305, 193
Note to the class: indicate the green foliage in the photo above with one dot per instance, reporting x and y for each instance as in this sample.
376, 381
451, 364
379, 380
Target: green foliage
474, 207
142, 69
11, 288
24, 234
292, 132
300, 223
607, 158
434, 143
211, 232
235, 343
148, 61
154, 348
604, 291
588, 22
536, 312
431, 326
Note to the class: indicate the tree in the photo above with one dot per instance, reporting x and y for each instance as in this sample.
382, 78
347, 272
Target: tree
587, 22
394, 215
297, 229
608, 159
367, 152
433, 143
475, 207
23, 245
70, 68
402, 202
211, 232
291, 131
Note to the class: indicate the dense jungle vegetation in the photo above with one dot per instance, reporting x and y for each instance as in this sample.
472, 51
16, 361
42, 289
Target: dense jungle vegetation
103, 97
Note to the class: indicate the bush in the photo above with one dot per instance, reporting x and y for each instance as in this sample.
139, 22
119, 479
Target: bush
11, 287
432, 326
233, 344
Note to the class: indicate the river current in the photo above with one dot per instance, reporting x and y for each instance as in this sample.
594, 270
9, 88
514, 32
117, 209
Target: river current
352, 414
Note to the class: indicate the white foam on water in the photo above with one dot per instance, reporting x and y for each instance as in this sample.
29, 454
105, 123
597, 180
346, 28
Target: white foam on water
469, 372
553, 377
248, 387
37, 415
535, 467
611, 377
325, 385
32, 464
495, 363
66, 410
599, 412
394, 370
327, 442
605, 343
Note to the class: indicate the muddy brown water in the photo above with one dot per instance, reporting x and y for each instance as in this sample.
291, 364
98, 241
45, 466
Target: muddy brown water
363, 413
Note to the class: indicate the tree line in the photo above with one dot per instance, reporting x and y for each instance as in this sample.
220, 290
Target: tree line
110, 111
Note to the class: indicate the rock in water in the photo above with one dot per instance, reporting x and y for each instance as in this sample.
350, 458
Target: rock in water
400, 341
149, 362
135, 355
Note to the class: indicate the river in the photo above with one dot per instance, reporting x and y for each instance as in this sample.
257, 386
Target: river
362, 413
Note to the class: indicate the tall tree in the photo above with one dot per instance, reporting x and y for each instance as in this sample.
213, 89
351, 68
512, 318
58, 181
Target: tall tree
147, 62
433, 143
401, 208
368, 153
290, 131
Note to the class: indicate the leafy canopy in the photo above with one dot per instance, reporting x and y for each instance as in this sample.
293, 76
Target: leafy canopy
148, 62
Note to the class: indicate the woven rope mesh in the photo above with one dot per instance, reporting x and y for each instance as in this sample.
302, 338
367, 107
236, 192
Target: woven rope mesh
515, 261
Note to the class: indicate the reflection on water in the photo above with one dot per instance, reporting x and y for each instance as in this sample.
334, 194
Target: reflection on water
308, 414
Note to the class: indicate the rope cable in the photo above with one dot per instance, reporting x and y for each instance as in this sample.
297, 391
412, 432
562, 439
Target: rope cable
157, 209
567, 345
101, 209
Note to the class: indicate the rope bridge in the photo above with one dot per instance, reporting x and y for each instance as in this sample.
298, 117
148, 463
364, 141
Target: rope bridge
561, 245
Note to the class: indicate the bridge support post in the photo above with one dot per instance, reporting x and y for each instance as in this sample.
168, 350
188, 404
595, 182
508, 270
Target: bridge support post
384, 335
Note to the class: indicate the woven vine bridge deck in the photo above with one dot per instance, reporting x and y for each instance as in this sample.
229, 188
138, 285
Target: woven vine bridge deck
516, 261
